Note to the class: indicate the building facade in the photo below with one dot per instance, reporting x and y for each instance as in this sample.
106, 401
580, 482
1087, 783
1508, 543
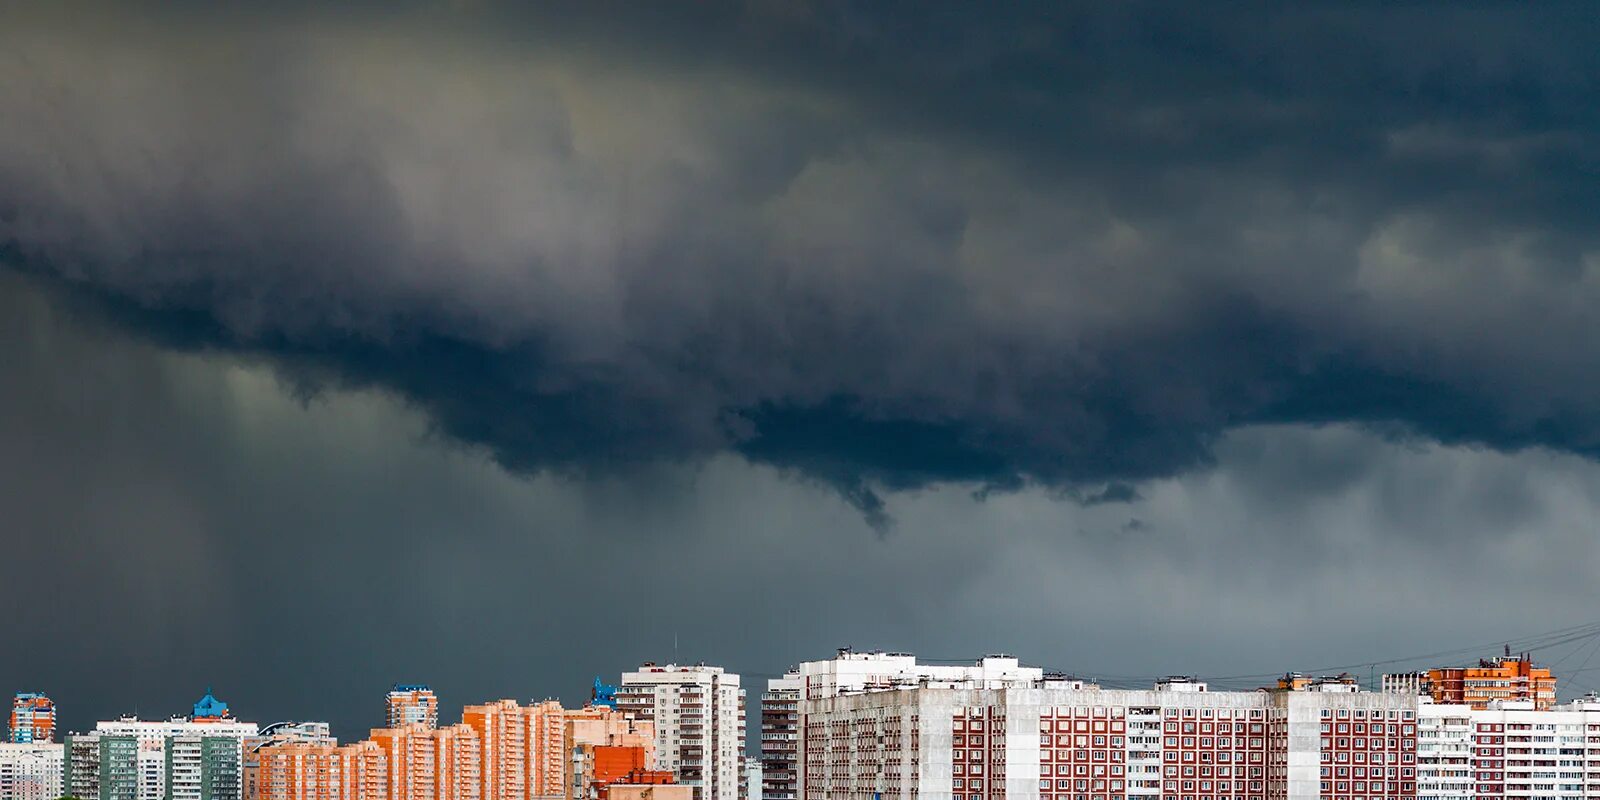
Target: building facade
647, 791
599, 735
548, 742
150, 766
1081, 743
608, 726
199, 757
500, 751
780, 733
850, 672
999, 730
698, 713
1509, 749
596, 767
100, 766
31, 771
752, 779
122, 762
182, 759
411, 704
502, 729
204, 767
315, 771
1503, 679
1310, 738
431, 763
33, 719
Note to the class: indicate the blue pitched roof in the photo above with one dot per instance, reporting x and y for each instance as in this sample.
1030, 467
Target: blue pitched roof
210, 706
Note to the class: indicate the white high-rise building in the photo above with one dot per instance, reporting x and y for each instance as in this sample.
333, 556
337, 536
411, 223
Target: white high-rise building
199, 757
157, 732
882, 727
698, 713
151, 765
1067, 740
176, 758
1508, 750
851, 672
30, 771
752, 779
911, 737
1444, 750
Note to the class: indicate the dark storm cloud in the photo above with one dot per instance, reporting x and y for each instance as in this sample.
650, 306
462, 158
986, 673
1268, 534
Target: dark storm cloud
190, 520
174, 520
877, 247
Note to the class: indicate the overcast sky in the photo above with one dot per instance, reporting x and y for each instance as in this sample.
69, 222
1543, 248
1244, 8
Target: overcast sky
498, 348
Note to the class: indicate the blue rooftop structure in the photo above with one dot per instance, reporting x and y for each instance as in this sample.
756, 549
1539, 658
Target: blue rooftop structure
603, 694
209, 706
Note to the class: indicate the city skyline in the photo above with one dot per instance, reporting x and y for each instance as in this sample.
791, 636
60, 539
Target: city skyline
878, 724
502, 345
1572, 650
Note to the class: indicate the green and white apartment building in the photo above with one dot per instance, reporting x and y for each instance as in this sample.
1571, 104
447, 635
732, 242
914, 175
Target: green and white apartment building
200, 757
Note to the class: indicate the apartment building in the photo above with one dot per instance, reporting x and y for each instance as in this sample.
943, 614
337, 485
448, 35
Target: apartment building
850, 671
548, 742
780, 735
503, 730
1445, 752
411, 704
1505, 678
1004, 731
150, 768
100, 767
599, 738
699, 717
33, 719
315, 770
199, 757
613, 727
1509, 750
118, 765
752, 779
430, 763
31, 771
500, 751
647, 791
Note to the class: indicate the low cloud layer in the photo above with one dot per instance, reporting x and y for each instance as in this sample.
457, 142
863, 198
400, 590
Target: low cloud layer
874, 249
182, 520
